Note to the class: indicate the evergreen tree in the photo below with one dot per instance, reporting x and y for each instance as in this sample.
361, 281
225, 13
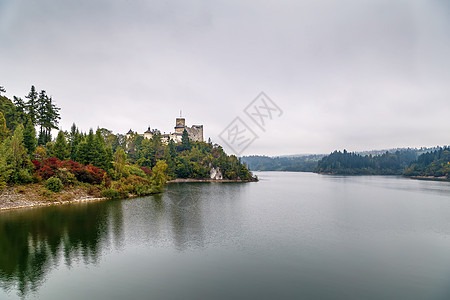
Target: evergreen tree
20, 105
85, 152
169, 156
61, 149
146, 154
31, 104
185, 141
4, 132
74, 139
29, 136
5, 165
104, 155
47, 115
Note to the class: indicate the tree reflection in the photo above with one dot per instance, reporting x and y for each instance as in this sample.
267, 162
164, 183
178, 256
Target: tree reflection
32, 241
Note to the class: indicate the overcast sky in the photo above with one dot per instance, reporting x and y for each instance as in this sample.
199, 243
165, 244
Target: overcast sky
354, 74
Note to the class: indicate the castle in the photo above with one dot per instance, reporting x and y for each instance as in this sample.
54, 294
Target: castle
195, 132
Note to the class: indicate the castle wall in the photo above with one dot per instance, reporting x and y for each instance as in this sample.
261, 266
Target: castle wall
195, 133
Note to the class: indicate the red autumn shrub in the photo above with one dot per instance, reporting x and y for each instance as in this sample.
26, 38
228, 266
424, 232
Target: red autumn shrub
90, 174
50, 166
147, 170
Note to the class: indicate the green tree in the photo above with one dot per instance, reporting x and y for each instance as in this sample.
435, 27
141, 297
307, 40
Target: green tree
93, 150
159, 177
170, 154
19, 159
104, 155
5, 159
47, 117
4, 132
31, 104
21, 116
29, 136
61, 149
120, 159
146, 154
75, 138
85, 152
185, 141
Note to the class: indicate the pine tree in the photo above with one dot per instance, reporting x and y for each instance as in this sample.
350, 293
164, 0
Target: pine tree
31, 104
47, 116
169, 157
104, 155
85, 152
185, 141
20, 107
60, 149
29, 136
75, 138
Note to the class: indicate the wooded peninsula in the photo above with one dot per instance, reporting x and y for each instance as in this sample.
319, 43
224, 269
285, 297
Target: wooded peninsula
101, 164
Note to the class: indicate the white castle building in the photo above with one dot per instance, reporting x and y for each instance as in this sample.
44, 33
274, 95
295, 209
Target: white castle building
195, 132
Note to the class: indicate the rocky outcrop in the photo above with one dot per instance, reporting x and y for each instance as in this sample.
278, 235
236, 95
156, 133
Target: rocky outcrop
216, 174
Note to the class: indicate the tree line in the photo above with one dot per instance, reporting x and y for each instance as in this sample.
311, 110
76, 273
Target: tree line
408, 162
304, 163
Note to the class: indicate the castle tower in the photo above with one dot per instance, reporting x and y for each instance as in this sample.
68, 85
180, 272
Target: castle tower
148, 134
180, 125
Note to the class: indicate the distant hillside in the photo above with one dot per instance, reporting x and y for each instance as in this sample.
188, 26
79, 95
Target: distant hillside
305, 163
417, 162
348, 163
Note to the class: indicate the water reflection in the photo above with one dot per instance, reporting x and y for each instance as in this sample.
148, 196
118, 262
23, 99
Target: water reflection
186, 215
33, 241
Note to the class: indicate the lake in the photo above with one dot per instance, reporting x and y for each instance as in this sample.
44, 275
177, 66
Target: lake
290, 235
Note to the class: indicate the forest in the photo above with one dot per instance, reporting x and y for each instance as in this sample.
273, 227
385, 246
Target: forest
109, 165
304, 163
424, 162
431, 164
406, 162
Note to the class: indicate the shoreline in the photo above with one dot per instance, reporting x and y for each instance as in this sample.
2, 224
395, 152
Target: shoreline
31, 195
430, 178
182, 180
56, 203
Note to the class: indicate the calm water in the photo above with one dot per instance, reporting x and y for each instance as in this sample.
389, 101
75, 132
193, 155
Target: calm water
290, 235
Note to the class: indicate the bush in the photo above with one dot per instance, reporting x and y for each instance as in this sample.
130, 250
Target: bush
54, 184
110, 194
47, 193
52, 166
143, 190
133, 170
94, 191
2, 184
23, 176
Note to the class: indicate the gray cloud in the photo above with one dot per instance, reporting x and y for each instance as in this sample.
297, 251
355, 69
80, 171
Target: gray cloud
357, 74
